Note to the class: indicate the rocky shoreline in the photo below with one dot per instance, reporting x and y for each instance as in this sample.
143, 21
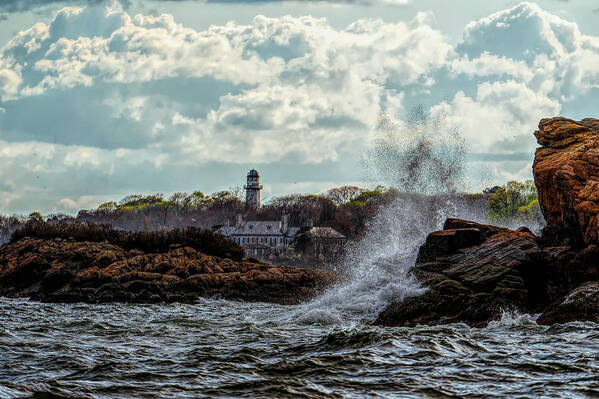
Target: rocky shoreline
59, 270
473, 271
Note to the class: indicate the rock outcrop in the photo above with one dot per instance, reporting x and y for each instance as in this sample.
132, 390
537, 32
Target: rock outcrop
473, 271
566, 171
58, 270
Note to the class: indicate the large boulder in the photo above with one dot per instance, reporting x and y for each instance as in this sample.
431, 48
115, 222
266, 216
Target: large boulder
57, 270
566, 171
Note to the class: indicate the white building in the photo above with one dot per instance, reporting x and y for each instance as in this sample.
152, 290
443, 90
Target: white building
261, 238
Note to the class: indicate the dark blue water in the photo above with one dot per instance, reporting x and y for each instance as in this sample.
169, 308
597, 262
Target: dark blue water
226, 349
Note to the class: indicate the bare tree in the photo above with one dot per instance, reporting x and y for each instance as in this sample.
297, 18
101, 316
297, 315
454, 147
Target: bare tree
344, 194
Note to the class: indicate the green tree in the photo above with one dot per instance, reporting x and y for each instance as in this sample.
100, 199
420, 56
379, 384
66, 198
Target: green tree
36, 217
108, 206
515, 202
198, 199
138, 200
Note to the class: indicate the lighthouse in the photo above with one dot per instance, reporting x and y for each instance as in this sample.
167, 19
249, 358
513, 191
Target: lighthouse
252, 190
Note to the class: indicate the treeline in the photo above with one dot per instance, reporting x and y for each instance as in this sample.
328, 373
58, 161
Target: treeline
347, 209
155, 212
204, 241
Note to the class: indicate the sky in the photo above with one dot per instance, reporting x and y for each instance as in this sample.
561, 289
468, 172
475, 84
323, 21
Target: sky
100, 99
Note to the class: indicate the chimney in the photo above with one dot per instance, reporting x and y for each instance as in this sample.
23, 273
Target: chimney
239, 220
285, 224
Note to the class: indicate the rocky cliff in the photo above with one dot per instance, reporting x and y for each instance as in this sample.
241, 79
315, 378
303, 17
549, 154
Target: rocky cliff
59, 270
566, 171
473, 271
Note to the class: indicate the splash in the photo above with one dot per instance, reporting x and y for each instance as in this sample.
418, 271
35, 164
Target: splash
512, 318
417, 158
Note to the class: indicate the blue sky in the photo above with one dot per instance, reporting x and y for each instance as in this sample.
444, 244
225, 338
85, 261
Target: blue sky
99, 99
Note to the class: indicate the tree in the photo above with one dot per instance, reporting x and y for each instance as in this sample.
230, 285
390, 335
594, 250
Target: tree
108, 207
344, 194
179, 199
302, 208
237, 192
198, 199
514, 202
137, 200
36, 217
223, 196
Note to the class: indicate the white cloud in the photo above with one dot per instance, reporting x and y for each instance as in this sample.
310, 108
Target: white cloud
500, 112
105, 94
309, 87
547, 52
521, 32
9, 82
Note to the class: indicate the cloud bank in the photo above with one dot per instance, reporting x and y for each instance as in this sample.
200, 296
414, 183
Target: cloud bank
99, 102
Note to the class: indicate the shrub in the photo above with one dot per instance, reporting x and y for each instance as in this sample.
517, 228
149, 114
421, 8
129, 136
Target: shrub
204, 241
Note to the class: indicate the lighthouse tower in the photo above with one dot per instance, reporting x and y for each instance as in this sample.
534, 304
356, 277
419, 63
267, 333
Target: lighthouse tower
252, 190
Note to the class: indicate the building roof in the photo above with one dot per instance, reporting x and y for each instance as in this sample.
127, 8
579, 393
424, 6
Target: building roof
258, 228
253, 173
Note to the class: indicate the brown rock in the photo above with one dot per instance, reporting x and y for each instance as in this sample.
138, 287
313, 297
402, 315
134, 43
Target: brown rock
566, 171
61, 271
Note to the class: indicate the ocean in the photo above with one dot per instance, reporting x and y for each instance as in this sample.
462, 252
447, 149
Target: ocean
225, 349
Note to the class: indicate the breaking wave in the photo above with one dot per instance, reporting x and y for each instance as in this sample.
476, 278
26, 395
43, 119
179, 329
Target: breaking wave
416, 158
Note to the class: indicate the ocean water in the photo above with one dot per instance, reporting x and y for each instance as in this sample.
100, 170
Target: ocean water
217, 348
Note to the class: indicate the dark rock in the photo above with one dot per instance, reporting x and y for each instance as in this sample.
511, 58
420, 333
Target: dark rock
447, 241
472, 283
582, 304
